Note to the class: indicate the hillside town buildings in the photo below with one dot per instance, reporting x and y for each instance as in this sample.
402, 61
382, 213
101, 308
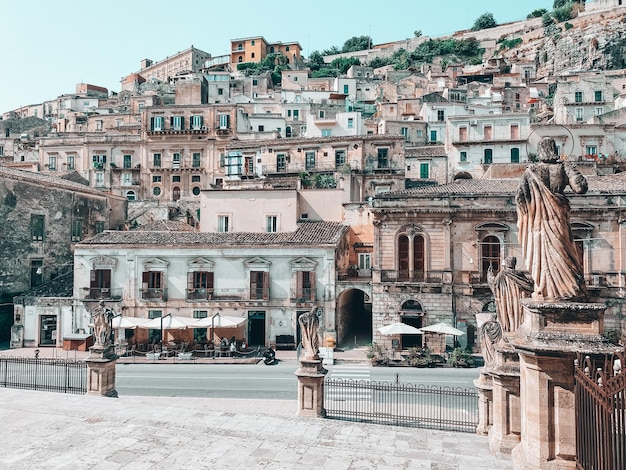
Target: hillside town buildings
392, 190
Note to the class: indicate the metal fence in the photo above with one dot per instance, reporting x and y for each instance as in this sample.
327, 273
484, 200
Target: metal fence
600, 412
46, 374
402, 404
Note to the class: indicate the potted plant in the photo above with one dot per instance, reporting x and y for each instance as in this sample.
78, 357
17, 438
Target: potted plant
419, 357
460, 358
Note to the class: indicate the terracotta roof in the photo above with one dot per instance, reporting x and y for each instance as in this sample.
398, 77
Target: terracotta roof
308, 233
426, 151
605, 184
167, 226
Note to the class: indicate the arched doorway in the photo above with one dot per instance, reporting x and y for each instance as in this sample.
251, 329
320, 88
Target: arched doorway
353, 319
175, 193
411, 313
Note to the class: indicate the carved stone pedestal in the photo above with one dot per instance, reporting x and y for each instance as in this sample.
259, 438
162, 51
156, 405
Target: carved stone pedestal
484, 385
547, 343
311, 388
504, 435
101, 371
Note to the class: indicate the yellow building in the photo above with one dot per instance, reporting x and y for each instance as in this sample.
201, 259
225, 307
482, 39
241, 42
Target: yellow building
255, 49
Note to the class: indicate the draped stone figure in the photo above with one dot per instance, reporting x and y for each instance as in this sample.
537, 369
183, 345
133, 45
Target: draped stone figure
509, 286
543, 219
309, 324
101, 317
490, 334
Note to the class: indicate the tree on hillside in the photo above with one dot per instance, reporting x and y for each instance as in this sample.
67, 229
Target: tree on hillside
537, 13
484, 21
559, 3
316, 60
357, 43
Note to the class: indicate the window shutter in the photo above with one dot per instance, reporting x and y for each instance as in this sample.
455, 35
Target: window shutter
171, 122
182, 123
209, 280
266, 285
312, 282
253, 285
106, 279
190, 280
299, 284
145, 279
152, 123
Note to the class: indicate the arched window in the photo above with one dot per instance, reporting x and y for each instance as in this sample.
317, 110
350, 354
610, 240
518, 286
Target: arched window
175, 193
411, 257
490, 256
411, 313
130, 195
240, 59
240, 47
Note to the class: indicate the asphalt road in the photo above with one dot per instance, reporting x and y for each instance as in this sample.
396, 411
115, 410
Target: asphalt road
263, 382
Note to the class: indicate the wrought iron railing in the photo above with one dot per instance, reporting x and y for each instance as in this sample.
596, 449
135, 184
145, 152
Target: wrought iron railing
46, 374
199, 294
402, 404
154, 294
304, 294
106, 293
600, 401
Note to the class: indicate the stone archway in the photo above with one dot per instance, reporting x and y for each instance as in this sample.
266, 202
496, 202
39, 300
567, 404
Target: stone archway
353, 318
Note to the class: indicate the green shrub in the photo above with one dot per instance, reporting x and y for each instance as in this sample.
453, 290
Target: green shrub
377, 355
419, 357
461, 358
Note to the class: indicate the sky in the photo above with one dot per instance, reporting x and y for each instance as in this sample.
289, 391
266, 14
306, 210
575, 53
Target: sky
50, 46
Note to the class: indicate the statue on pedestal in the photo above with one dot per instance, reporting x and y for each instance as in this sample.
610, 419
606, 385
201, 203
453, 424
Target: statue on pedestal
543, 219
508, 287
101, 317
309, 325
490, 335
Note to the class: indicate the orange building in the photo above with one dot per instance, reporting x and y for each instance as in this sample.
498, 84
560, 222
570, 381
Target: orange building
255, 49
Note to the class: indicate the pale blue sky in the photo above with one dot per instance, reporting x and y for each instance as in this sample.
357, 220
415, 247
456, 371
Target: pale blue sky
50, 46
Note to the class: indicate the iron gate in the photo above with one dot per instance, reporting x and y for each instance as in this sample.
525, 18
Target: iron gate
600, 412
51, 375
402, 404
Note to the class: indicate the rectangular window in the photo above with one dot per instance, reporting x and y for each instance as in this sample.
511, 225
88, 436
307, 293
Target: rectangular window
271, 223
346, 89
598, 95
156, 178
77, 230
195, 159
176, 160
340, 158
365, 260
322, 114
37, 227
99, 161
488, 156
296, 115
463, 156
99, 226
128, 161
327, 132
305, 286
404, 131
441, 115
99, 179
196, 122
223, 223
514, 155
156, 123
433, 136
598, 111
202, 280
52, 163
514, 132
579, 114
1, 150
383, 158
259, 285
261, 128
195, 178
424, 173
488, 131
591, 150
176, 179
578, 97
220, 91
154, 314
420, 133
350, 123
462, 134
177, 123
200, 314
156, 160
255, 82
309, 160
281, 162
70, 162
224, 121
126, 179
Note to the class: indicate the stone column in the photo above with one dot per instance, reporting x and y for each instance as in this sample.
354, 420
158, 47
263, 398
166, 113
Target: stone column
484, 386
311, 388
547, 343
101, 371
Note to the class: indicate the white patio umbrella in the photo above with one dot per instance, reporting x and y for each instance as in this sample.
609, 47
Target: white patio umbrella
399, 329
127, 323
217, 321
443, 329
167, 322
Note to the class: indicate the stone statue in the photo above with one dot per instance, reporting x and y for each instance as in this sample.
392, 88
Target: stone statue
490, 335
509, 286
101, 317
309, 324
543, 219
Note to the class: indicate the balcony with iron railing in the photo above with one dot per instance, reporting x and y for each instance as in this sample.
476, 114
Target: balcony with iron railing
153, 294
199, 294
420, 277
299, 167
102, 293
179, 131
304, 294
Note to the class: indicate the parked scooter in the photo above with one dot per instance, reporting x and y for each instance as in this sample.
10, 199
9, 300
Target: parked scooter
269, 357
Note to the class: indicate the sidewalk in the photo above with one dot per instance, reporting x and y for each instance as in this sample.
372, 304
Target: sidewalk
57, 431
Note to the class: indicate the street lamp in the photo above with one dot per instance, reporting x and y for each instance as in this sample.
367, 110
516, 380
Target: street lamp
168, 315
213, 324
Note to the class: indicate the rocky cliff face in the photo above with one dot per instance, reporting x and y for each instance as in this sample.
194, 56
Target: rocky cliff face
588, 42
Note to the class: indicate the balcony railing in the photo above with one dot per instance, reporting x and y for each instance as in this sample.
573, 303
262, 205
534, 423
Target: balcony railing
199, 294
106, 293
298, 167
153, 294
261, 293
430, 277
305, 294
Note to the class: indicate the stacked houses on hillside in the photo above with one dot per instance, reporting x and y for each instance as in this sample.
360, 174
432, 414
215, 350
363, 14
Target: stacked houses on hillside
373, 197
